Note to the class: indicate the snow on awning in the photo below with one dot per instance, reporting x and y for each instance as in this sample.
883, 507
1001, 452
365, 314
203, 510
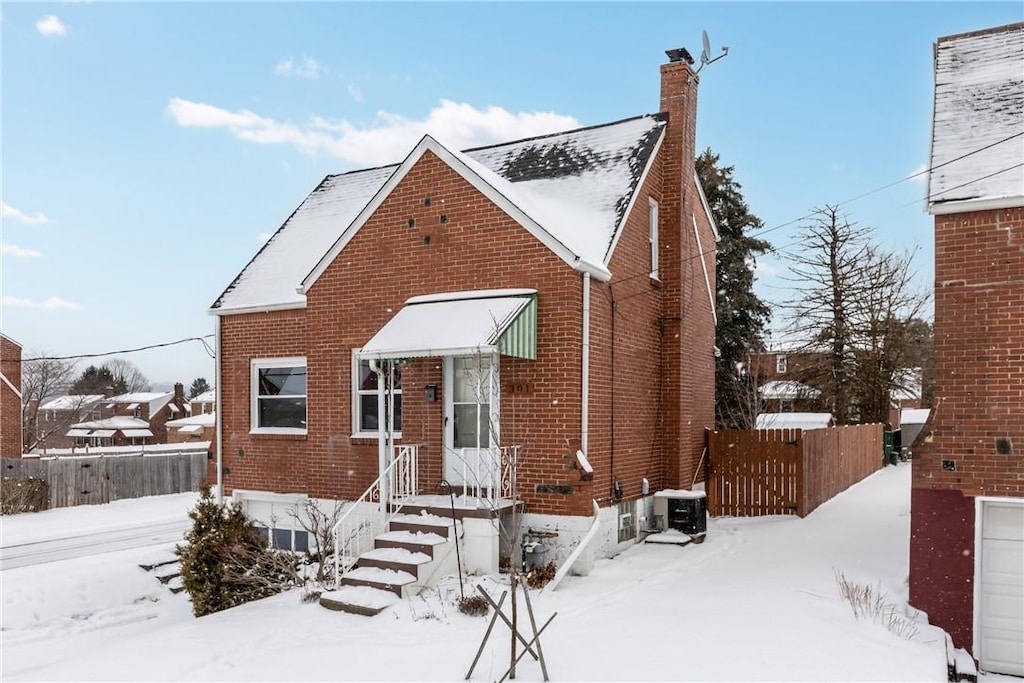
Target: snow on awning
77, 433
460, 324
191, 429
101, 433
131, 406
134, 433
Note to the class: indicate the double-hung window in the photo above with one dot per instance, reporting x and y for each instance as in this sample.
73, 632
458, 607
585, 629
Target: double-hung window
279, 395
780, 364
365, 407
652, 224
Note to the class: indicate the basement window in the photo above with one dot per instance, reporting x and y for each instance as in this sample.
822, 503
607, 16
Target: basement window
627, 521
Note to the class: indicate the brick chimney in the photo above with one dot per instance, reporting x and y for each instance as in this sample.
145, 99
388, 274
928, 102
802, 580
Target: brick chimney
179, 394
678, 246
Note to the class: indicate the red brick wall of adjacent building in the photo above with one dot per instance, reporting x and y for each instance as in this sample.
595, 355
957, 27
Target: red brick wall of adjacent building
641, 424
976, 441
10, 401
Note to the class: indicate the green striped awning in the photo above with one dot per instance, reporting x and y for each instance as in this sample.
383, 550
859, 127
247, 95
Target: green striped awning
460, 324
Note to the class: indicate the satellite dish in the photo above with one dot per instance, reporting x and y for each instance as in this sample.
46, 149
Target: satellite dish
705, 55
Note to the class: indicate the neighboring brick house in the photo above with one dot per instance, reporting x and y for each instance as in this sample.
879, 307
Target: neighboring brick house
554, 294
54, 417
789, 381
967, 502
197, 427
10, 398
131, 419
205, 402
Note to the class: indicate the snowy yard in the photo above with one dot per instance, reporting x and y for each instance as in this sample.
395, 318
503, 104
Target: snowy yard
757, 601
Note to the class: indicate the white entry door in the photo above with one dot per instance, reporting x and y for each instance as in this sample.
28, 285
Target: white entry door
471, 422
1000, 610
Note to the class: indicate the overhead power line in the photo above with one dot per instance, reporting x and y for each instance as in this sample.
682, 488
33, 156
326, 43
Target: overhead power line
81, 356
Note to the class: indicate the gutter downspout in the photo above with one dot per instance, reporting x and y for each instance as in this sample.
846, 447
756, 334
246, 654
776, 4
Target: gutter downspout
567, 565
220, 416
585, 388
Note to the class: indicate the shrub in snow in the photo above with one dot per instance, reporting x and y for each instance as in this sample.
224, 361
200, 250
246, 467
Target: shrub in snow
225, 562
23, 494
870, 603
474, 606
538, 577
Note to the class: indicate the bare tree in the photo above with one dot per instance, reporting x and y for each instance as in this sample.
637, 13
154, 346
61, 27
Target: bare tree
829, 276
855, 304
41, 378
125, 372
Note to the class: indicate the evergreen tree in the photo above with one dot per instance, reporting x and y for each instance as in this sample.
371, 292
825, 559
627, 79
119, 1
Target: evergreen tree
199, 385
99, 380
742, 315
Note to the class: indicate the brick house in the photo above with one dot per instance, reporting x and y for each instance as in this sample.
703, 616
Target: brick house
967, 502
132, 419
548, 300
10, 398
55, 415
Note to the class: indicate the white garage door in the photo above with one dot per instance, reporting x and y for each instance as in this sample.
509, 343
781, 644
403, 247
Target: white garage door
1001, 589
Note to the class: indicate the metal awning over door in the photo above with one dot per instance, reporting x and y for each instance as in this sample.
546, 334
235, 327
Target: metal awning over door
460, 324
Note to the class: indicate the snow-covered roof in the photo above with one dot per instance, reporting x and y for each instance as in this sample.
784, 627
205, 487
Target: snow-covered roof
793, 421
914, 416
116, 422
71, 402
575, 186
155, 399
979, 111
203, 420
205, 397
787, 390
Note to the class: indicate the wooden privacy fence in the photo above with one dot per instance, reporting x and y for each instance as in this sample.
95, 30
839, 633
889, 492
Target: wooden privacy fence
787, 471
98, 479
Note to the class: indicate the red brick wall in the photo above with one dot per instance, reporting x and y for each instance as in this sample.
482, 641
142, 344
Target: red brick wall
10, 402
647, 418
979, 372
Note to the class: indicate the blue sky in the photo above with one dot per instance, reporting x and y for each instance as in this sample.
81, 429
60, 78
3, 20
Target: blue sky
148, 149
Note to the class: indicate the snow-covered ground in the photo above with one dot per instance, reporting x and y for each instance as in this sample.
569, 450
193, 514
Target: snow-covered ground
758, 600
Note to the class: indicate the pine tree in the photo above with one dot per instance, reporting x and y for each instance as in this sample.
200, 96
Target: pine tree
742, 315
199, 385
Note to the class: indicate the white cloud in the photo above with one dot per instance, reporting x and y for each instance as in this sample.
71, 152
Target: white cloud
306, 67
8, 211
51, 26
764, 269
53, 303
356, 92
922, 170
19, 252
264, 237
387, 140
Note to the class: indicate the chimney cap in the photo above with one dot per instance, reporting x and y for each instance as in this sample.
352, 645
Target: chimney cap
679, 54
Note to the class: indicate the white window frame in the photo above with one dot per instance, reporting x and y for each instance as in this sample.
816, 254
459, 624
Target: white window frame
781, 364
257, 364
652, 227
358, 433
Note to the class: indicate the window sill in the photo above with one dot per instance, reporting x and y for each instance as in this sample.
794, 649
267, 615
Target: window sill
279, 433
373, 436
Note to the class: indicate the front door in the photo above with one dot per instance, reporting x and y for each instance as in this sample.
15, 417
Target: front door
471, 422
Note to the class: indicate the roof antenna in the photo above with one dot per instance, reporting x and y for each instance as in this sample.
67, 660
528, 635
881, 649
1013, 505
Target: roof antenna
705, 55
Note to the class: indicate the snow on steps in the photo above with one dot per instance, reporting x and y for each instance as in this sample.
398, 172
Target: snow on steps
362, 600
385, 579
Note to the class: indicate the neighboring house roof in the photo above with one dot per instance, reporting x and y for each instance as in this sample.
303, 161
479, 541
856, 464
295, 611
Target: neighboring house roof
793, 421
787, 390
914, 416
116, 422
155, 399
205, 397
71, 402
979, 111
570, 189
204, 420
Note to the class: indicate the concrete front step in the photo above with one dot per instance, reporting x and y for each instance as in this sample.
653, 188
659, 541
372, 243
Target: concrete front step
358, 600
424, 523
400, 559
384, 579
416, 541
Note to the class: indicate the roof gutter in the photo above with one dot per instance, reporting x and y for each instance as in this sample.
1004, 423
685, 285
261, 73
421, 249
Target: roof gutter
298, 305
983, 204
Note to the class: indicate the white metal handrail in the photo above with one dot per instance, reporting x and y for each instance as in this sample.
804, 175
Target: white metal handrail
488, 473
360, 523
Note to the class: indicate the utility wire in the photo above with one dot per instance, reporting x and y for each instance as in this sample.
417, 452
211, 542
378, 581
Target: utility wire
80, 356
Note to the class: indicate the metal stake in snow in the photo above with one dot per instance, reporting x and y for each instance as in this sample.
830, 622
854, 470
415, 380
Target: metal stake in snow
528, 645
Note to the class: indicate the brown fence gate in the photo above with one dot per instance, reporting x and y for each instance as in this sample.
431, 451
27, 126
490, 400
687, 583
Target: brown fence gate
787, 471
